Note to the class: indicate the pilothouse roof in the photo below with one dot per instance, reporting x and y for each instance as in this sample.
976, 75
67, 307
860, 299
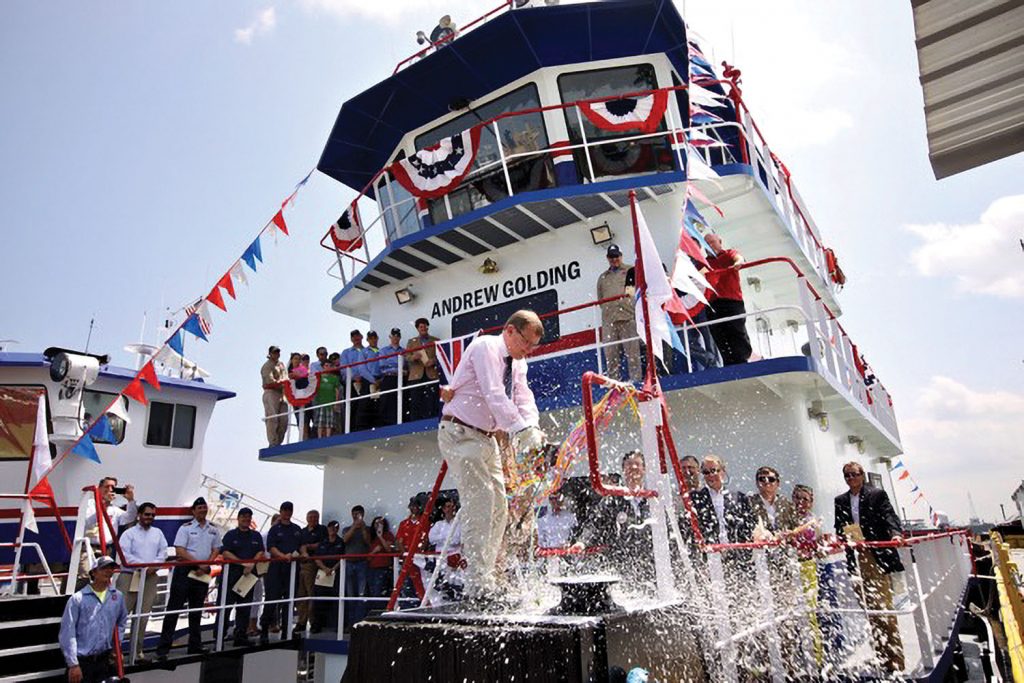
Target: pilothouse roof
371, 125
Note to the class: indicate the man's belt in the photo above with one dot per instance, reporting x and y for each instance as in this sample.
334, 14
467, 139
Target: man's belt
455, 420
97, 657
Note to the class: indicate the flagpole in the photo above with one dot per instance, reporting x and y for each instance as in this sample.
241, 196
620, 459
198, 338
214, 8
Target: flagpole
651, 376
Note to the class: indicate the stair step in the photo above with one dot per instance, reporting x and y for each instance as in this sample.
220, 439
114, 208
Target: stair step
48, 675
23, 623
22, 607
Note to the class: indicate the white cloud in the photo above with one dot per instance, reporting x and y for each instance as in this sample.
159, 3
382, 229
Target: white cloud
960, 439
983, 257
263, 24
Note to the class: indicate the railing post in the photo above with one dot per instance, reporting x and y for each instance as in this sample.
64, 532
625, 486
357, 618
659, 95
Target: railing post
501, 154
348, 400
136, 640
341, 569
768, 612
721, 609
400, 386
291, 600
586, 147
680, 148
222, 600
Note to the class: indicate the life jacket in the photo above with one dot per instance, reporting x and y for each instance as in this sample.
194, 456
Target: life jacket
834, 271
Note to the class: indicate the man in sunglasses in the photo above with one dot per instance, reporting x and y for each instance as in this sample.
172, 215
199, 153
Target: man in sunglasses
724, 516
141, 544
866, 512
488, 398
774, 512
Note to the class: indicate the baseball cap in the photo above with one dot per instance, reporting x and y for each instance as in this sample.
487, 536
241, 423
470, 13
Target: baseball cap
104, 562
395, 331
273, 349
245, 511
371, 333
613, 251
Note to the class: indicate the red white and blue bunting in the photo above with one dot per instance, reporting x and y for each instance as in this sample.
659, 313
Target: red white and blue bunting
347, 231
434, 171
302, 397
641, 114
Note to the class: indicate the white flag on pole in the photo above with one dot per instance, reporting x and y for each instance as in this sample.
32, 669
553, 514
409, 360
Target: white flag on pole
659, 292
41, 461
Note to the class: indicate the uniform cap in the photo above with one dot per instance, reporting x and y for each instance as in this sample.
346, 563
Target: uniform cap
613, 251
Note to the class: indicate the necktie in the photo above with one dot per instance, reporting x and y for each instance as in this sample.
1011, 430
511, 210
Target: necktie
507, 377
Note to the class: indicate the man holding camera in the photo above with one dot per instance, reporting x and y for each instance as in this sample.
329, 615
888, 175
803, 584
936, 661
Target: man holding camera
488, 395
119, 517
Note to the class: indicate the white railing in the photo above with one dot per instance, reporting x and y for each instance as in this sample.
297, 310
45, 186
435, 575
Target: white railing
804, 327
388, 212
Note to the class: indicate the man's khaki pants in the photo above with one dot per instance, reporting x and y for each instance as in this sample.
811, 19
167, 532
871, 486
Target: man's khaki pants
307, 579
124, 582
621, 329
885, 632
277, 426
476, 467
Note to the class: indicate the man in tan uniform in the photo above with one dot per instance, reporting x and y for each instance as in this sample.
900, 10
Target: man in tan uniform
618, 319
421, 402
275, 409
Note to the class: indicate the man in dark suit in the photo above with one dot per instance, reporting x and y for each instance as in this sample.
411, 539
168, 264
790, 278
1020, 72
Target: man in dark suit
620, 523
868, 508
724, 516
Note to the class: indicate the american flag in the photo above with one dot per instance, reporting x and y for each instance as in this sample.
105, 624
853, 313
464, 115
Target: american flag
204, 319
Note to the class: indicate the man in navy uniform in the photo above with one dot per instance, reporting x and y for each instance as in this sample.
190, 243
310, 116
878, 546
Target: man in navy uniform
241, 543
283, 541
388, 367
326, 613
195, 541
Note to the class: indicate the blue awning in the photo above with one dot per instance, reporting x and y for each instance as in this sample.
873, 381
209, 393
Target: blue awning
370, 125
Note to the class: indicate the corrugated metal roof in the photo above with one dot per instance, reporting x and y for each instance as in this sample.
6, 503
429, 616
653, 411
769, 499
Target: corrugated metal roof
971, 57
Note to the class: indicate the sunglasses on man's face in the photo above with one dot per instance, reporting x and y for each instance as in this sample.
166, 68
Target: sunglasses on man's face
767, 480
710, 470
852, 475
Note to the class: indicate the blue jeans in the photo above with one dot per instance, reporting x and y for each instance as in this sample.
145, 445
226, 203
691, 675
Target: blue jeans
356, 584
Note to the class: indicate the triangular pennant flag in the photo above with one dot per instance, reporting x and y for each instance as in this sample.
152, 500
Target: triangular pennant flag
135, 391
177, 342
148, 375
919, 497
28, 517
86, 449
916, 487
205, 319
120, 409
693, 191
102, 431
42, 491
227, 284
238, 273
699, 95
278, 220
215, 298
697, 168
192, 325
253, 254
904, 475
898, 464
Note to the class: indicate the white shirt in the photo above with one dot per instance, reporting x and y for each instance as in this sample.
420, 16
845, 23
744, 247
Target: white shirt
768, 508
479, 387
855, 507
199, 541
118, 518
439, 532
555, 528
143, 545
718, 500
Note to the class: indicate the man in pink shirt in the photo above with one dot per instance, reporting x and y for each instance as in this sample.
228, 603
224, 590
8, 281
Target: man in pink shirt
488, 394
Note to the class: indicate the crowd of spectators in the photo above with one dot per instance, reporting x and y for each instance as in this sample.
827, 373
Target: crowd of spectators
365, 377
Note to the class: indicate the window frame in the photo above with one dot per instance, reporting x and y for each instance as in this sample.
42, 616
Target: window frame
108, 394
174, 417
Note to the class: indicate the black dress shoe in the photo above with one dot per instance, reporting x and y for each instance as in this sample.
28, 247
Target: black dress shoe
198, 650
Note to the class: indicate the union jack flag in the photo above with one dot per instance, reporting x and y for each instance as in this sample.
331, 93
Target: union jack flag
204, 315
449, 353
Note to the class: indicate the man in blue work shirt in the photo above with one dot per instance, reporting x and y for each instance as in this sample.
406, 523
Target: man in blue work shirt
387, 366
373, 371
241, 543
87, 627
196, 541
283, 541
326, 613
359, 387
312, 534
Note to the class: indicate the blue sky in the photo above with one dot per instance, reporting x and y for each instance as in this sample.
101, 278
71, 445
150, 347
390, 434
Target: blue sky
142, 149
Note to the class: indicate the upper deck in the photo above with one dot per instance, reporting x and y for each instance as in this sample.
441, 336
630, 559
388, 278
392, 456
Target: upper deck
554, 168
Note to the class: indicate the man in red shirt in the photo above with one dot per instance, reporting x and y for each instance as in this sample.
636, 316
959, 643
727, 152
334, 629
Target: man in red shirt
404, 539
726, 302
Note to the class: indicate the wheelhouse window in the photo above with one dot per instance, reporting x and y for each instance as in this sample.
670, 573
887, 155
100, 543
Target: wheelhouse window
171, 425
617, 156
522, 138
95, 401
19, 407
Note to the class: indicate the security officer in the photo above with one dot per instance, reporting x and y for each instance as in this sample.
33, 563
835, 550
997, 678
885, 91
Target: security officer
195, 541
283, 541
241, 543
388, 367
618, 318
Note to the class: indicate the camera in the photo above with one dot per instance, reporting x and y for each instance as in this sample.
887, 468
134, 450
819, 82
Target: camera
120, 490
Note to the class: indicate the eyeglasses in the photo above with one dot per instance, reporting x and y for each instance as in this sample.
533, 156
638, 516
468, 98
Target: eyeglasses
711, 470
529, 344
852, 475
767, 480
